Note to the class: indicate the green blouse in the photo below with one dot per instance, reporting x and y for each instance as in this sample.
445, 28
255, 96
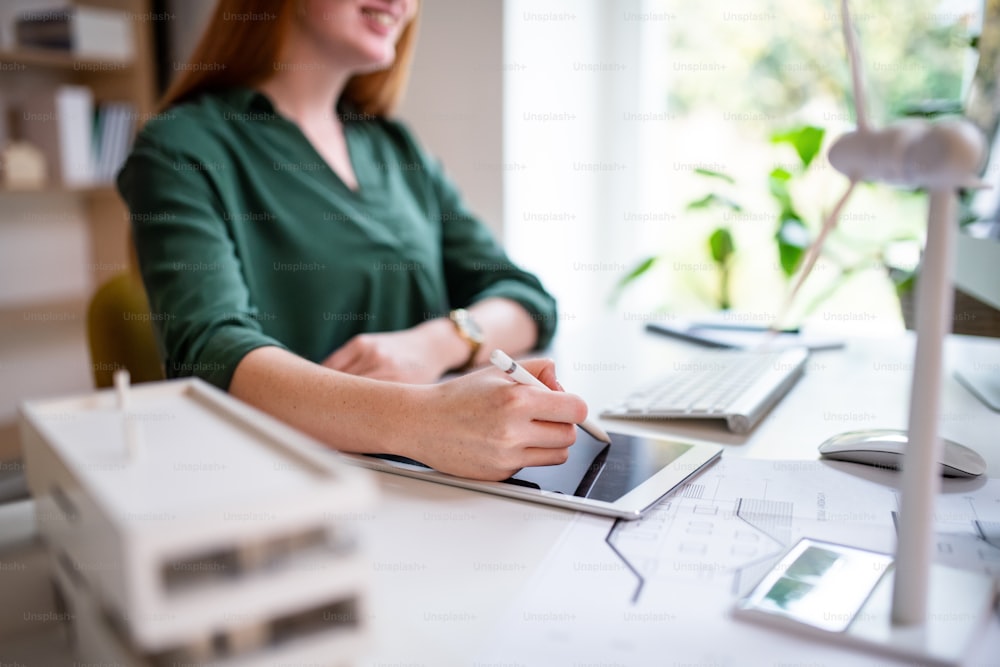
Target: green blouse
246, 237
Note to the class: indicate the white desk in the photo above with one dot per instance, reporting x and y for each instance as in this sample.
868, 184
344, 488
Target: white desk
449, 563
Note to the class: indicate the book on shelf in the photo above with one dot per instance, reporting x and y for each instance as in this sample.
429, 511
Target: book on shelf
58, 121
84, 143
92, 32
112, 138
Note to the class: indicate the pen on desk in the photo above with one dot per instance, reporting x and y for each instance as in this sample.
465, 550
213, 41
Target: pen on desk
726, 326
502, 360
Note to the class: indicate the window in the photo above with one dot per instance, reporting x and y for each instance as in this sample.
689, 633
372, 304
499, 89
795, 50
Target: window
610, 107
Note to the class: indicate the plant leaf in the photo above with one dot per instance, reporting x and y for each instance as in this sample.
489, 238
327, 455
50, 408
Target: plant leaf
715, 174
779, 175
638, 270
777, 184
721, 245
807, 141
628, 278
712, 199
793, 239
704, 202
902, 279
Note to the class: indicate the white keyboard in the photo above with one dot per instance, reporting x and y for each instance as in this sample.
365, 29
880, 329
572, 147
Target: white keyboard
739, 386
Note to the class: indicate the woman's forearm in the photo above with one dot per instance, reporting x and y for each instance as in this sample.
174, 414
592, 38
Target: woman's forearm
481, 425
347, 412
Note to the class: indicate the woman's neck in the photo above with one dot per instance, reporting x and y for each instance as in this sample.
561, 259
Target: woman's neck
305, 86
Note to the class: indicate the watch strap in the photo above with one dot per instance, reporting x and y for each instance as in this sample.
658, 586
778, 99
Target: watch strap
470, 332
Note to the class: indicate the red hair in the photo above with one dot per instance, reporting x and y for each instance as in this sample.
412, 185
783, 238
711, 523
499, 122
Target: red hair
244, 53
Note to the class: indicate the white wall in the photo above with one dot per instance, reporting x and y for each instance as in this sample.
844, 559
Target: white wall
573, 70
454, 99
454, 102
188, 18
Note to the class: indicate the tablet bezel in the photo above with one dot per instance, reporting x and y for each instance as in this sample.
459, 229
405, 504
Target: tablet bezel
630, 506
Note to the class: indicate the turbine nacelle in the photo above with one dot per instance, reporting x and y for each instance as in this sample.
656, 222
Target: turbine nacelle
915, 153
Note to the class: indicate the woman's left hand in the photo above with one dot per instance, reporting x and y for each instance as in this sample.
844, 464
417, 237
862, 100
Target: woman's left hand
419, 355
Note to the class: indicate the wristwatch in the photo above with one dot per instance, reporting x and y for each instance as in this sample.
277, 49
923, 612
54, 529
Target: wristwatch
470, 332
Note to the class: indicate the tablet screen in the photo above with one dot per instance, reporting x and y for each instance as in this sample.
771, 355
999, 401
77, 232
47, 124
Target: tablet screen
605, 472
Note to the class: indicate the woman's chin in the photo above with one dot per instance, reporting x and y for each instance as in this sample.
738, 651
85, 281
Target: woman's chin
387, 64
376, 62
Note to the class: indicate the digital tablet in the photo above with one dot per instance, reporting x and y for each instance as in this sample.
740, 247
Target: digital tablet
623, 479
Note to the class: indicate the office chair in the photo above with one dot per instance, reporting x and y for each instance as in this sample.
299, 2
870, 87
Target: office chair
120, 333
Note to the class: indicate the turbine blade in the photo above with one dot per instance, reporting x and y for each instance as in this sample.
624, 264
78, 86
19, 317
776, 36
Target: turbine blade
854, 59
812, 254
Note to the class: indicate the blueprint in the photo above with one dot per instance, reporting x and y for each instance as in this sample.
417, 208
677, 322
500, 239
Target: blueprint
658, 590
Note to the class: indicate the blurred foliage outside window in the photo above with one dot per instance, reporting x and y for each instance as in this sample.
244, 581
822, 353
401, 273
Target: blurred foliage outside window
738, 77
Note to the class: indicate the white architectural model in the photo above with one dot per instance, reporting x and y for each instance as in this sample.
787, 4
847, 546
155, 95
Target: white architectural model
186, 527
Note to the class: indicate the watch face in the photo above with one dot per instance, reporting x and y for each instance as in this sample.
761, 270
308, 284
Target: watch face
472, 327
467, 324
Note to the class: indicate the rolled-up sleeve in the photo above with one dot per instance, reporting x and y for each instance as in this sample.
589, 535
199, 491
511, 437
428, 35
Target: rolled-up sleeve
199, 301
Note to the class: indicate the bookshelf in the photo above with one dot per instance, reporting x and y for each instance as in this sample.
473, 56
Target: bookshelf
104, 215
102, 190
57, 60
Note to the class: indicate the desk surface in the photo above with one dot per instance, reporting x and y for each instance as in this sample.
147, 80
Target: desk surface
864, 385
453, 561
448, 564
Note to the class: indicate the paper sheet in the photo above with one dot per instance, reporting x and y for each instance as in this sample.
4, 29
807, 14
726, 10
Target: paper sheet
658, 591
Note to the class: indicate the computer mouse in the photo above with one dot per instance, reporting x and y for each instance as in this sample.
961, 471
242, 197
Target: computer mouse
884, 448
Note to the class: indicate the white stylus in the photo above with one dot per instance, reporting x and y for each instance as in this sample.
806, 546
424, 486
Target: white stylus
502, 360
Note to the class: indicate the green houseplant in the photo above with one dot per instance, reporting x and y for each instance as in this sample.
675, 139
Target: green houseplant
720, 244
793, 231
794, 69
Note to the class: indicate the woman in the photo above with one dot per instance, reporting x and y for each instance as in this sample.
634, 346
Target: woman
299, 249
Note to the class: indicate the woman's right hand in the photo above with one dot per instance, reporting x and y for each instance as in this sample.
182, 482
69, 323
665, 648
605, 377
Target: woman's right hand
485, 426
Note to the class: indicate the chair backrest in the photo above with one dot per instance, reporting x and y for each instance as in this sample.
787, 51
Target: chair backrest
120, 332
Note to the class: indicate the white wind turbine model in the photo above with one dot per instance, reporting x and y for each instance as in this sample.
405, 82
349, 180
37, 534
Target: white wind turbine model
919, 609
